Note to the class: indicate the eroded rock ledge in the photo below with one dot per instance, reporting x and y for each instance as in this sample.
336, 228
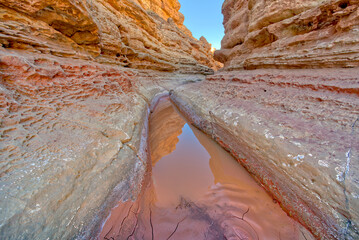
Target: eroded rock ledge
290, 34
136, 34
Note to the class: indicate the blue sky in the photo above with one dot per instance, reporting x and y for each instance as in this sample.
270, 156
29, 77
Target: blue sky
204, 18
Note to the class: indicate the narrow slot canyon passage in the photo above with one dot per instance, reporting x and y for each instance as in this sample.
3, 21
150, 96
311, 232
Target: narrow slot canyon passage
196, 190
257, 139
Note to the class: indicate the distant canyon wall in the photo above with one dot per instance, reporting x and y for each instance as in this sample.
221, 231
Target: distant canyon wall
290, 34
136, 34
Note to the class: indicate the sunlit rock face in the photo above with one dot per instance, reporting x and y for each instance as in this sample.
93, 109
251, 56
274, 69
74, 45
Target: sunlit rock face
290, 34
167, 9
135, 34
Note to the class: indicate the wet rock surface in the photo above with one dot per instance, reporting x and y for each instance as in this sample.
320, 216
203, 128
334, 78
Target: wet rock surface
295, 131
290, 34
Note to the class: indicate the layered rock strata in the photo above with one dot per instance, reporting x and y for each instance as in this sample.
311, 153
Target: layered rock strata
135, 34
296, 132
290, 34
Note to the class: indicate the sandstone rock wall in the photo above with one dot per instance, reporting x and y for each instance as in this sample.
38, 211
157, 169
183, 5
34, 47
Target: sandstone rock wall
136, 34
290, 34
167, 9
310, 117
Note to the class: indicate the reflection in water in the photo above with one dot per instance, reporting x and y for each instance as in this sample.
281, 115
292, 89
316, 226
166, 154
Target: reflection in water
196, 191
164, 136
185, 173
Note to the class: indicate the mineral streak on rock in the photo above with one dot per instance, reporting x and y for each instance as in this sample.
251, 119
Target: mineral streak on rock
295, 131
290, 34
137, 34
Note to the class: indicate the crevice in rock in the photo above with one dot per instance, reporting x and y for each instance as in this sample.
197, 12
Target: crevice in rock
344, 5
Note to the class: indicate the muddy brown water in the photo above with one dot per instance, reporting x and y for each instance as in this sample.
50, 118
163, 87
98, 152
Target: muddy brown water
196, 190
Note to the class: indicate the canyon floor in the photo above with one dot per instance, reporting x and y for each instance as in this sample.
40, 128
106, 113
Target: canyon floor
194, 189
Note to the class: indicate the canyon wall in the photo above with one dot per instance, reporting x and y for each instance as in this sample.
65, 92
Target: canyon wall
290, 34
134, 34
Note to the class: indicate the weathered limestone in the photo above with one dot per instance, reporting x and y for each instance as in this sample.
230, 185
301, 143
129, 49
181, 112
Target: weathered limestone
167, 9
296, 132
290, 34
